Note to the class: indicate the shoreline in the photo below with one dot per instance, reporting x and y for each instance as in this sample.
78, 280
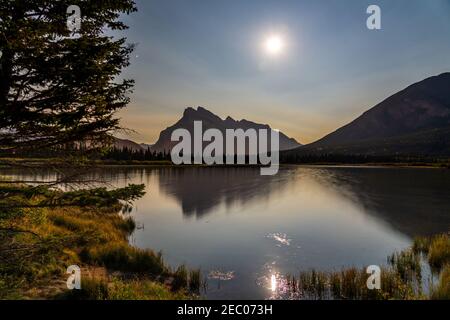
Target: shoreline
89, 230
96, 238
58, 163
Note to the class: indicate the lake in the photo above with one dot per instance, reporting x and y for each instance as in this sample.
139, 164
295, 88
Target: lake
243, 229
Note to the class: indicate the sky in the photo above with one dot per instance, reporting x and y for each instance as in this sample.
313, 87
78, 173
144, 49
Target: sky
330, 70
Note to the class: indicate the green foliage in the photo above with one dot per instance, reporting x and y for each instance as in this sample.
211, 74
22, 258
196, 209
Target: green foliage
59, 87
19, 198
99, 197
126, 154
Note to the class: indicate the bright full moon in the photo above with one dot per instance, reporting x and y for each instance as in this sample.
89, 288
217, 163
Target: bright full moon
274, 45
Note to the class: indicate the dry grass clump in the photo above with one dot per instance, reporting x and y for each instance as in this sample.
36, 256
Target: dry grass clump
51, 230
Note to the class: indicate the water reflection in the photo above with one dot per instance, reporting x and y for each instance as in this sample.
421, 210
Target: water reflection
246, 231
273, 282
200, 191
413, 201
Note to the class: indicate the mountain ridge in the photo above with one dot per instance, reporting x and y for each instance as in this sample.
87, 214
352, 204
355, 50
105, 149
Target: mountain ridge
414, 121
209, 120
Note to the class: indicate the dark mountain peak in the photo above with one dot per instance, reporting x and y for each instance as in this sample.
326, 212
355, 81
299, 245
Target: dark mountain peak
203, 110
415, 120
211, 120
190, 114
189, 111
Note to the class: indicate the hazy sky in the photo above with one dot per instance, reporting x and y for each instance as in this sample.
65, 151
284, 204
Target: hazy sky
332, 68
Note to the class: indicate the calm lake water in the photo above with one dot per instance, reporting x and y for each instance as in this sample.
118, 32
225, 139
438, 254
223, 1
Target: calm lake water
242, 229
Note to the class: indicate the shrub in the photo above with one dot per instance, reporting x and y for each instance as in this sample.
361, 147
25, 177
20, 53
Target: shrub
123, 257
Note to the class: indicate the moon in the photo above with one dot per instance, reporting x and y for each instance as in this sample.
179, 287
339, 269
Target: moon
274, 45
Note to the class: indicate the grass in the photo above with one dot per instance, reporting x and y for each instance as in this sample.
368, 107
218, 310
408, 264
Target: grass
436, 249
37, 244
195, 281
406, 265
122, 257
439, 251
347, 284
180, 278
351, 284
442, 290
117, 289
187, 279
401, 279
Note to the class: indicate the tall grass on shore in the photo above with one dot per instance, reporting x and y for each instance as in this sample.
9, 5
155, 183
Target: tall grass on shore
38, 242
401, 279
117, 289
187, 280
122, 257
350, 284
195, 281
436, 249
442, 290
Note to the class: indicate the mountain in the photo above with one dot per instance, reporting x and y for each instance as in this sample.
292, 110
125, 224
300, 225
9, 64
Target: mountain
210, 120
130, 145
414, 121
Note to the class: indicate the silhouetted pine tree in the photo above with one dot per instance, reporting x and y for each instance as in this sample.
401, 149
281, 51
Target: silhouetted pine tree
56, 86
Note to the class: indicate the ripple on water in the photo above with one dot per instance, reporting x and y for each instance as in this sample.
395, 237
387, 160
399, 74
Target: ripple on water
221, 275
281, 238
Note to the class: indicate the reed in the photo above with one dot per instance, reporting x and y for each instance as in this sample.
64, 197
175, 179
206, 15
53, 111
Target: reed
442, 290
407, 265
180, 278
350, 284
195, 281
439, 251
436, 249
